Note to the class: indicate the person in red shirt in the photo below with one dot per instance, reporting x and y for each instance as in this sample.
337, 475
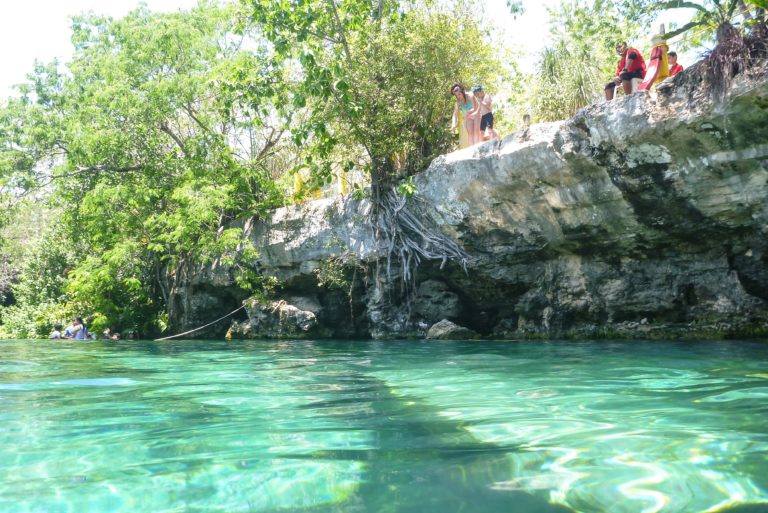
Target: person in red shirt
674, 67
631, 65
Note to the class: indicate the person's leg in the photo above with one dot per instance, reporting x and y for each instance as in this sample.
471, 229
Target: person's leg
483, 126
492, 133
478, 136
626, 81
610, 88
486, 126
468, 126
473, 132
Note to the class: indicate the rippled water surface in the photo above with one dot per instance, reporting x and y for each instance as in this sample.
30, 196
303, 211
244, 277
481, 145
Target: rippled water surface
385, 427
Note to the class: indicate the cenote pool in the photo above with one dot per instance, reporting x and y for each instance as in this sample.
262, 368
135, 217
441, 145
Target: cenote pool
384, 427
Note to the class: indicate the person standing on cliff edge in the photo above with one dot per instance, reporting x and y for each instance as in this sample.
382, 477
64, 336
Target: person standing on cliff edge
467, 104
486, 114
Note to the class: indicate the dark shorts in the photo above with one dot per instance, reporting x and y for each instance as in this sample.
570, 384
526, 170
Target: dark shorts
625, 76
486, 121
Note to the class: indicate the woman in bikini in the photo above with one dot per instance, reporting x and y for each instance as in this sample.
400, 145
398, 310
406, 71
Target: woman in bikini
470, 108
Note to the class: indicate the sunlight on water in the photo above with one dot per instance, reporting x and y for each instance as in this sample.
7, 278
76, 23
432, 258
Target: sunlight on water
195, 426
600, 436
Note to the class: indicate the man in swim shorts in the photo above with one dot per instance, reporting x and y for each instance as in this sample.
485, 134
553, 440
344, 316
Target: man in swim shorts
486, 113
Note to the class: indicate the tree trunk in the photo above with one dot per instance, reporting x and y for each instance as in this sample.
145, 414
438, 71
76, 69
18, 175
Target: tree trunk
726, 32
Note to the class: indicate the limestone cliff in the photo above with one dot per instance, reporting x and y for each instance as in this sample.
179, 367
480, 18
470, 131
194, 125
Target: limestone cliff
645, 216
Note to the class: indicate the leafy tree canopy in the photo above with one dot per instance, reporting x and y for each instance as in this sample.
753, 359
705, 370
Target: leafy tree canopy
372, 77
167, 128
145, 152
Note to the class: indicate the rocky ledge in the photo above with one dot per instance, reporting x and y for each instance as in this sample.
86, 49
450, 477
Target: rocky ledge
643, 217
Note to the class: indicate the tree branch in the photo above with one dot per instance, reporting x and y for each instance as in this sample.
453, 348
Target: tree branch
271, 141
91, 169
340, 28
97, 169
189, 110
165, 128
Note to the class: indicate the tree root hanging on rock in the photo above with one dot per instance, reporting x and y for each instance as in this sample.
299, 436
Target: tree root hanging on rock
408, 233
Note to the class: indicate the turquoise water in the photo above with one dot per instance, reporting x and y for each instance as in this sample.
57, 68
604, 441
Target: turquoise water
385, 427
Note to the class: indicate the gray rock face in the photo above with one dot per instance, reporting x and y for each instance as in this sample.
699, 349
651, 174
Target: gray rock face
435, 301
646, 215
279, 319
446, 330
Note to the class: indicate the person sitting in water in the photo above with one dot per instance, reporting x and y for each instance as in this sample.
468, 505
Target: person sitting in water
631, 65
674, 67
56, 333
77, 330
108, 335
69, 331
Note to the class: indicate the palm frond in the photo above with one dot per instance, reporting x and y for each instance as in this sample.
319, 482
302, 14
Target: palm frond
678, 4
684, 28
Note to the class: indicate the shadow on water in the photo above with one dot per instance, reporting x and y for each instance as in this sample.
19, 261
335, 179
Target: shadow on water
746, 508
423, 466
420, 462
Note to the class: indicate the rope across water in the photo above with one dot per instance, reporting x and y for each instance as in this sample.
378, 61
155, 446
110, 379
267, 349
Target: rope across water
201, 327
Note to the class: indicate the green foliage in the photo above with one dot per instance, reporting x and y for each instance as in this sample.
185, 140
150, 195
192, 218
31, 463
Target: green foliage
407, 188
247, 277
515, 6
30, 320
567, 83
581, 59
372, 77
332, 274
169, 128
360, 193
18, 239
709, 15
600, 24
148, 153
40, 290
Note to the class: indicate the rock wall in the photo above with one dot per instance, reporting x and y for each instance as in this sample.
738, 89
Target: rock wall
643, 217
